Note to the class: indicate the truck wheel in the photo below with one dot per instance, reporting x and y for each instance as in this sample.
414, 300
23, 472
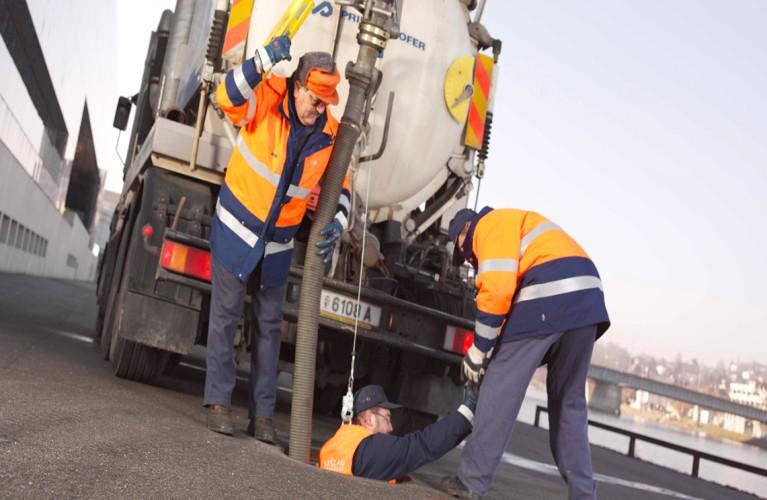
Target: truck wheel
129, 359
106, 319
137, 362
106, 336
100, 326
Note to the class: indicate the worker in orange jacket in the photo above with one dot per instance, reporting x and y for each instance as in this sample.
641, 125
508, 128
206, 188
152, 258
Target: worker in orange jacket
281, 153
540, 300
366, 447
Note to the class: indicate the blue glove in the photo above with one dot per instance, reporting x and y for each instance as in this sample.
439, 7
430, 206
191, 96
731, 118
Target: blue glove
472, 395
332, 233
275, 51
278, 49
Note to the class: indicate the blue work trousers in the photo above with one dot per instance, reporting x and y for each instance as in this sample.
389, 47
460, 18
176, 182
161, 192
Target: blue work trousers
226, 306
500, 398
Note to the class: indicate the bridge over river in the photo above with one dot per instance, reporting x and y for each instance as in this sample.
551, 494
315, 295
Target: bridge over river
606, 394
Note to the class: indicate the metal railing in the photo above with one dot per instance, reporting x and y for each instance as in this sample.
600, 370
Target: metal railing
697, 456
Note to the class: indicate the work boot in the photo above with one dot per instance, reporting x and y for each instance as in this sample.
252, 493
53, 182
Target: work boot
453, 486
220, 419
263, 430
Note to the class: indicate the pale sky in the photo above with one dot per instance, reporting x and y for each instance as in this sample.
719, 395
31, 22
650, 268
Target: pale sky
641, 129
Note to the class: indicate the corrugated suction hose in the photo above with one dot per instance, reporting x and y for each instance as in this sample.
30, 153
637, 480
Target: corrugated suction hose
360, 76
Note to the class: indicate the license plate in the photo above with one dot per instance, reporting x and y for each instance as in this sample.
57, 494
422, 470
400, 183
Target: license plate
346, 309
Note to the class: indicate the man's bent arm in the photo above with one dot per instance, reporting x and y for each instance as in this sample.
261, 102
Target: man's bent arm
385, 457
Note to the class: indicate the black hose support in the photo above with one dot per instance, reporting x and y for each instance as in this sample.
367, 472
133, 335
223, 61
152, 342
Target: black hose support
360, 75
486, 139
216, 39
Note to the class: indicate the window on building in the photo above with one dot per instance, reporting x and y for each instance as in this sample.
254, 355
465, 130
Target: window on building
4, 227
71, 261
31, 242
45, 247
25, 239
14, 231
20, 236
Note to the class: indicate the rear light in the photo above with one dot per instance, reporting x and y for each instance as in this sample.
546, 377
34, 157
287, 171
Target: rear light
458, 340
184, 259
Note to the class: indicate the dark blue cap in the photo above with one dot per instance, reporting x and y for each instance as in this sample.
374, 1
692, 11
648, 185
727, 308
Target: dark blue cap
456, 226
370, 396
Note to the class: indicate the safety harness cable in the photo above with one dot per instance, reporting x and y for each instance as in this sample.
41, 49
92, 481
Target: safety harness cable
347, 407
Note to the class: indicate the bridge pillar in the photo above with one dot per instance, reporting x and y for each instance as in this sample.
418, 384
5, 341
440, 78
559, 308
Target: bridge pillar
603, 396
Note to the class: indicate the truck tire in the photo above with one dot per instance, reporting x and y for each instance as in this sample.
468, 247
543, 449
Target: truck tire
129, 359
107, 324
106, 333
105, 266
137, 362
114, 281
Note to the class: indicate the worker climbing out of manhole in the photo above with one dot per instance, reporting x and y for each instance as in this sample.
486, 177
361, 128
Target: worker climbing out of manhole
366, 447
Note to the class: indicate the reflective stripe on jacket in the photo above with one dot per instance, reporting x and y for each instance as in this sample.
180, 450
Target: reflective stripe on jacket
533, 278
274, 167
338, 453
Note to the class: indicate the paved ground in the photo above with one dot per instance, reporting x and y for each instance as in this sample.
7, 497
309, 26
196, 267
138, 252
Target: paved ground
68, 428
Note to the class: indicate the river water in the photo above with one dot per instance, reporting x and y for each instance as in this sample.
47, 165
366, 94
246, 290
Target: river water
682, 462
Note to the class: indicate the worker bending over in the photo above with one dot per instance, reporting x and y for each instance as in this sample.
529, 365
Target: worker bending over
540, 301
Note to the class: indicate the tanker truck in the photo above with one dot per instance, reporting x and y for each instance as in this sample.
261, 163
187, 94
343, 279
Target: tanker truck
390, 294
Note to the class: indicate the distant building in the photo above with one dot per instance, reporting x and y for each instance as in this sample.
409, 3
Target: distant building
750, 394
54, 59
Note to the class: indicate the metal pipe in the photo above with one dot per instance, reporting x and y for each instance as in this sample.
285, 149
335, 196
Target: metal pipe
385, 136
179, 35
480, 10
360, 75
198, 125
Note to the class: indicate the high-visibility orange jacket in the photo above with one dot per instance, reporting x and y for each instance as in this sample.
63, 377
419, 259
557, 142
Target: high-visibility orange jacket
355, 451
274, 167
338, 453
533, 278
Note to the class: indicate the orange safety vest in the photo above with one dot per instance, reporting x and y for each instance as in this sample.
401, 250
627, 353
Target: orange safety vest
259, 209
338, 453
533, 278
259, 157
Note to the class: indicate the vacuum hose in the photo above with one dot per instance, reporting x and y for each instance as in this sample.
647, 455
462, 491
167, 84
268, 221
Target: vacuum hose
372, 39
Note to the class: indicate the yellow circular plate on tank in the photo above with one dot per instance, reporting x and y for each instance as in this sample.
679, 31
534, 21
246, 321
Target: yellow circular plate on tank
459, 87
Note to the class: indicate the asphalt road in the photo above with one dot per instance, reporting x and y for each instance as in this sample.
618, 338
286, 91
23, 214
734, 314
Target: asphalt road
69, 428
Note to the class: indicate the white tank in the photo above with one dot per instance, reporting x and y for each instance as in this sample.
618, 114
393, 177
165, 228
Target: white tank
422, 133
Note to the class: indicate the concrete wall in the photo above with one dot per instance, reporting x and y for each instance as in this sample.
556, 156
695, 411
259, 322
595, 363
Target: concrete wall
58, 243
